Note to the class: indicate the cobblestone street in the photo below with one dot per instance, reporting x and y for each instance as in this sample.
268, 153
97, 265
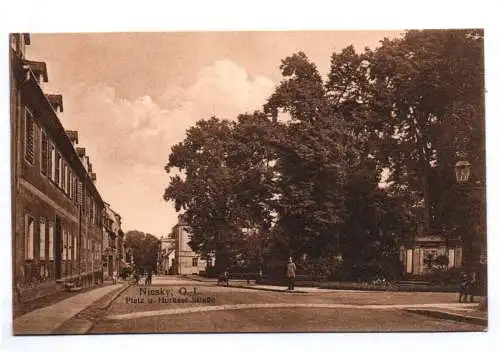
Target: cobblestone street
180, 305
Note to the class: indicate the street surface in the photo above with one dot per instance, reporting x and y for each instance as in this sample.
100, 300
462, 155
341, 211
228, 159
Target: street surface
174, 304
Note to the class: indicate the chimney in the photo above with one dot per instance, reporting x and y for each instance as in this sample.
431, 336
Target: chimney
27, 38
93, 176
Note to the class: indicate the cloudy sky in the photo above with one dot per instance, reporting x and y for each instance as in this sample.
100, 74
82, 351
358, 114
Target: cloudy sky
132, 96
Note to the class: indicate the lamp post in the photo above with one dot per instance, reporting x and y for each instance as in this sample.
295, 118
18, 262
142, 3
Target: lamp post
462, 173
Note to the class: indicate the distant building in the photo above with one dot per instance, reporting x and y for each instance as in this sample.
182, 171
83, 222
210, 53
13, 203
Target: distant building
166, 256
416, 258
186, 261
113, 243
56, 207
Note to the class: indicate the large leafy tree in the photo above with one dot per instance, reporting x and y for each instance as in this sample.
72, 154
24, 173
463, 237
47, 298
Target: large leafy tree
311, 186
310, 163
429, 88
222, 186
145, 248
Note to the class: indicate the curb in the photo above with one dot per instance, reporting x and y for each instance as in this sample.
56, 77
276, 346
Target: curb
88, 325
114, 297
449, 316
194, 279
267, 289
250, 287
406, 289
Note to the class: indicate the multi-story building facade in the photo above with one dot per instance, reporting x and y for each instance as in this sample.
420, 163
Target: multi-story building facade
56, 208
113, 243
186, 261
166, 257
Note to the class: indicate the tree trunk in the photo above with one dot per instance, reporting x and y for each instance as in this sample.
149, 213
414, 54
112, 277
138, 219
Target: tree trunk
222, 258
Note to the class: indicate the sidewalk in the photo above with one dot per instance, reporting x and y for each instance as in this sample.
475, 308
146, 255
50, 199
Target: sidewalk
46, 320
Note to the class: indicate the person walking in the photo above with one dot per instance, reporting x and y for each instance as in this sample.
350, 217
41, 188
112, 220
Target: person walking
290, 273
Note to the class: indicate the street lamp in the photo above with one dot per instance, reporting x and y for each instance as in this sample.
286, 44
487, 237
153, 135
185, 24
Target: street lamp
462, 173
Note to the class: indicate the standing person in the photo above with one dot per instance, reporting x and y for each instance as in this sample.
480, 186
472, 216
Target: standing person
473, 284
463, 288
290, 273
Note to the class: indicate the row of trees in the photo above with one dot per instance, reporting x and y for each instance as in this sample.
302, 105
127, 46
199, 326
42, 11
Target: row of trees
310, 187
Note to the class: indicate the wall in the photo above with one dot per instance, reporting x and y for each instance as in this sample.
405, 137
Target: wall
185, 255
40, 207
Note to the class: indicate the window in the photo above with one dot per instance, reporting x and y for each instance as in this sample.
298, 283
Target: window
83, 200
13, 41
51, 241
69, 185
64, 169
51, 163
42, 238
64, 244
76, 192
29, 137
195, 262
451, 258
75, 250
409, 261
57, 168
91, 211
29, 234
70, 245
44, 159
87, 256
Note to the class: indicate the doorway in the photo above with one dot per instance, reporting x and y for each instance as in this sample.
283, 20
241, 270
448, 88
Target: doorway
58, 253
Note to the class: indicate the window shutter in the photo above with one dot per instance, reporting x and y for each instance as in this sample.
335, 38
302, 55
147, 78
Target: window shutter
44, 160
29, 150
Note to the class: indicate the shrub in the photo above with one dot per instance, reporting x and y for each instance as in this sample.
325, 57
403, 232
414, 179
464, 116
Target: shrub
444, 276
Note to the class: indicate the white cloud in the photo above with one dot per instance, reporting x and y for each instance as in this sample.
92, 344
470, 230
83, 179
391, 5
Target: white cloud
129, 141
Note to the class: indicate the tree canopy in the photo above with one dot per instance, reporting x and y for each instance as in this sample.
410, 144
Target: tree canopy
311, 187
145, 248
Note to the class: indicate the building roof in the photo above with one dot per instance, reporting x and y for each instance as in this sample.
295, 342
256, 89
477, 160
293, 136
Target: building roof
54, 127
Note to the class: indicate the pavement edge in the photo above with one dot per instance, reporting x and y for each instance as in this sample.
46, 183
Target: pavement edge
450, 316
87, 325
248, 287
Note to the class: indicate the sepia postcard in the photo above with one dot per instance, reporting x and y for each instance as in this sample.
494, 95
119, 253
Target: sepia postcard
248, 181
